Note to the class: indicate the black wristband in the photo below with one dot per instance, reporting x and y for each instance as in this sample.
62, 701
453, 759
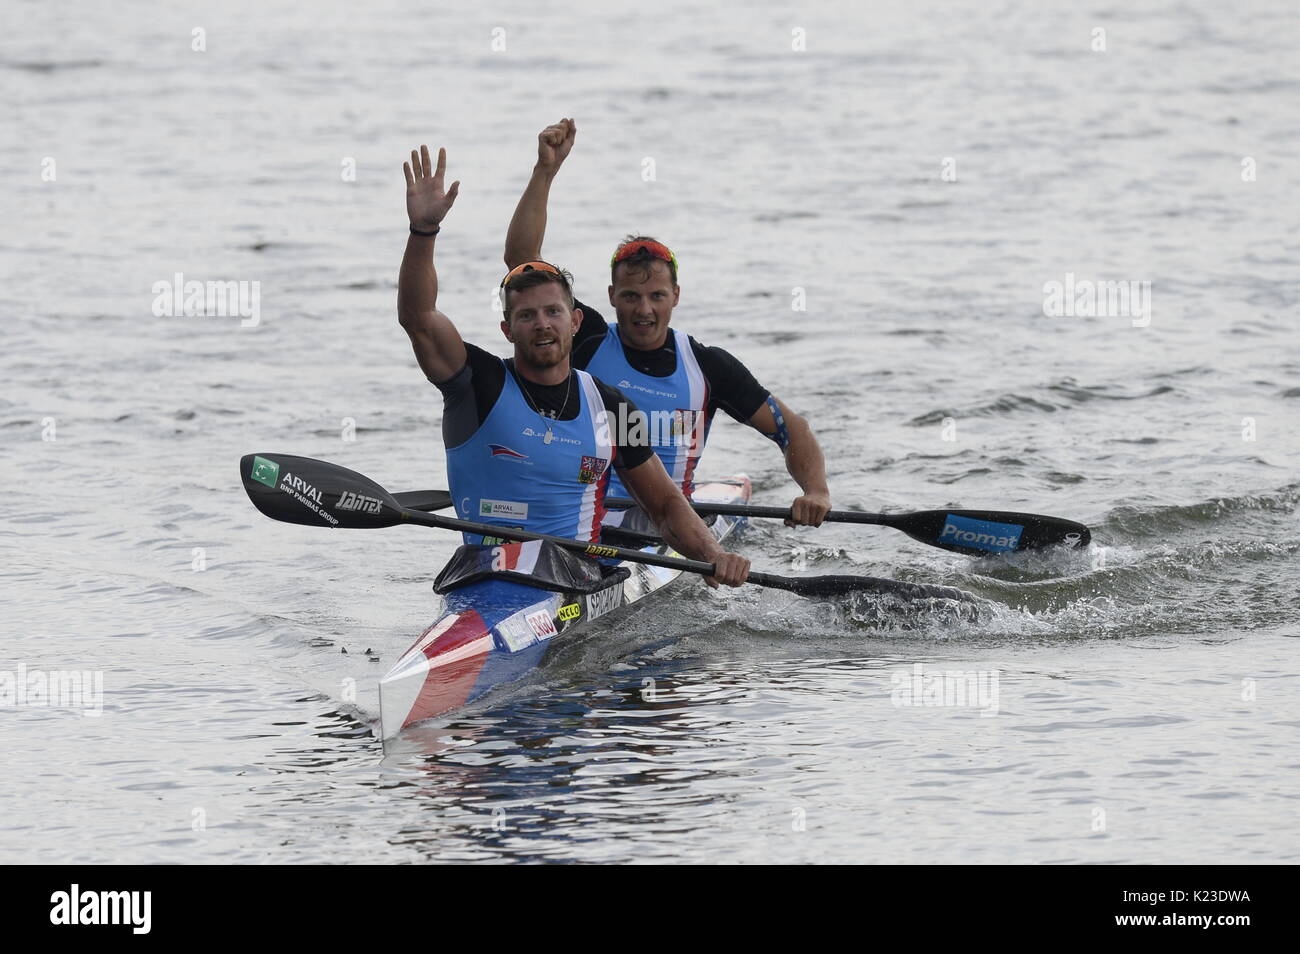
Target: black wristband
436, 230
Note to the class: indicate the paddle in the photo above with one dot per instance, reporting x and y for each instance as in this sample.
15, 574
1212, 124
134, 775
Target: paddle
424, 499
974, 532
317, 493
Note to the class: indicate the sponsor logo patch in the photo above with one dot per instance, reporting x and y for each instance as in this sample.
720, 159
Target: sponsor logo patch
265, 471
602, 601
570, 611
591, 469
500, 450
516, 633
502, 508
542, 624
597, 550
981, 534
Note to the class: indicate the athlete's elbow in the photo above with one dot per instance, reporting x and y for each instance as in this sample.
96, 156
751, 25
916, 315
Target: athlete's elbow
405, 313
413, 320
514, 255
798, 426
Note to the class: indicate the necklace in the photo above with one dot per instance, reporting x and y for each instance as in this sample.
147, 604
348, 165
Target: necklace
523, 386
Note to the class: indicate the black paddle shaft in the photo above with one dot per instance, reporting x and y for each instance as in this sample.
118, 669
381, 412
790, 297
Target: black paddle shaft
317, 493
972, 532
804, 585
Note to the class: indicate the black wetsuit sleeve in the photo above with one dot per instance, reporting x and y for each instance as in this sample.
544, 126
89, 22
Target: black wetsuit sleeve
732, 387
469, 395
589, 335
631, 444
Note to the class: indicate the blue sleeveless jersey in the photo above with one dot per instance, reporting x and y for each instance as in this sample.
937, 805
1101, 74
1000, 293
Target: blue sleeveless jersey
674, 406
507, 475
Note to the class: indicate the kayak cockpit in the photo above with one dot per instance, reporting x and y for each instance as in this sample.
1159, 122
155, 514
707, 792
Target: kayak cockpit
506, 605
536, 563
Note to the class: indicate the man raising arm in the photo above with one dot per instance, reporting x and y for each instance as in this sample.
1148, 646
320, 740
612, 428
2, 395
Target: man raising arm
668, 372
437, 344
528, 439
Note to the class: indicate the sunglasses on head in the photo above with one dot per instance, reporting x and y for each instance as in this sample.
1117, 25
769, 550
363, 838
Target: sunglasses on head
657, 249
532, 267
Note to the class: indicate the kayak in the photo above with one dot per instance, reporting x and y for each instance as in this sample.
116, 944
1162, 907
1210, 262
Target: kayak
508, 606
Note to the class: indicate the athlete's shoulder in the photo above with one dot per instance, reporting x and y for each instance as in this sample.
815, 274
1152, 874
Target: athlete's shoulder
477, 363
590, 334
713, 357
732, 386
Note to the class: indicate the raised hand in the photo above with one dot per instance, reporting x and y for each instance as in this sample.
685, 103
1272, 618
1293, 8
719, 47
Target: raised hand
427, 202
554, 143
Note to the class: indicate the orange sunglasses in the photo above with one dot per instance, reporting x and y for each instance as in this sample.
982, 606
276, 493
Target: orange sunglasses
532, 267
658, 249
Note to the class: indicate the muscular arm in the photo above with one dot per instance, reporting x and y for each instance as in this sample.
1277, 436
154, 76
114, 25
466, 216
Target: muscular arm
437, 344
736, 391
528, 225
804, 461
679, 525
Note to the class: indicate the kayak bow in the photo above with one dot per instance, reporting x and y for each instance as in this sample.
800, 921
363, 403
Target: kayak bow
495, 631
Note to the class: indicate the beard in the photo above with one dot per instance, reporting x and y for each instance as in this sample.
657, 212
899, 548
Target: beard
545, 357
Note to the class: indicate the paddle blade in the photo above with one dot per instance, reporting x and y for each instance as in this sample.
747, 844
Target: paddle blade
982, 532
835, 586
427, 500
315, 493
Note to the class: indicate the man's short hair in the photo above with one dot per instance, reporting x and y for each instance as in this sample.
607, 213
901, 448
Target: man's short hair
533, 278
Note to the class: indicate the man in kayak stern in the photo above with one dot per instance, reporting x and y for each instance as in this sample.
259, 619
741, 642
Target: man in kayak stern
674, 379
